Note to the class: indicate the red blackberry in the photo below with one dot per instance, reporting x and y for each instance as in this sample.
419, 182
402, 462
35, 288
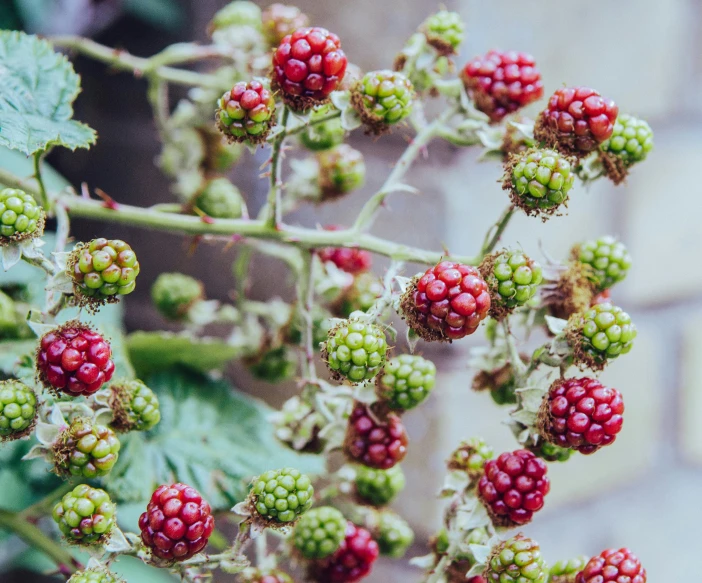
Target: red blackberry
448, 302
245, 112
308, 65
576, 121
373, 441
74, 359
352, 561
502, 82
350, 260
513, 487
581, 414
177, 522
613, 566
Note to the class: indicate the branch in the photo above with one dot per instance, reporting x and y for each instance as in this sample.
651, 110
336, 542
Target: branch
305, 303
493, 237
424, 136
43, 198
34, 537
271, 213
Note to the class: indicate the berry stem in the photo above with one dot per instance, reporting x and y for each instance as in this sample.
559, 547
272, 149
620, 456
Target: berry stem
312, 122
42, 263
495, 232
393, 182
63, 228
305, 299
123, 61
43, 198
30, 534
518, 366
272, 212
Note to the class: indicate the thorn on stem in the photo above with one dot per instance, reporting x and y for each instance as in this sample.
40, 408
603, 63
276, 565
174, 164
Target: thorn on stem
108, 201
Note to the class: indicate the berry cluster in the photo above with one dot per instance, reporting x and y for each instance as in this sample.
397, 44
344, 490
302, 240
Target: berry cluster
601, 334
282, 496
18, 409
246, 112
613, 566
319, 532
352, 561
406, 381
516, 559
355, 350
20, 216
85, 450
513, 279
220, 199
608, 259
175, 293
379, 487
375, 441
134, 406
85, 515
341, 170
383, 98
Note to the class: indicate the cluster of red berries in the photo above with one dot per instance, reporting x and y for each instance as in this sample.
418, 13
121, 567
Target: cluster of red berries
352, 561
375, 440
347, 259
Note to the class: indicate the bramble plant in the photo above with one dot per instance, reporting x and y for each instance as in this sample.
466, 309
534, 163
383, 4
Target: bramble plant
152, 456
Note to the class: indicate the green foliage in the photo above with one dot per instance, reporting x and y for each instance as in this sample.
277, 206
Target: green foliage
36, 96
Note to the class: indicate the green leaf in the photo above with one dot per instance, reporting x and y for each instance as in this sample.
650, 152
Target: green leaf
210, 436
37, 90
154, 351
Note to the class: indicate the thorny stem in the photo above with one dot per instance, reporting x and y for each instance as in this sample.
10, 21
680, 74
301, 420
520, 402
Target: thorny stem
123, 61
305, 300
34, 537
393, 182
43, 198
236, 551
495, 232
272, 212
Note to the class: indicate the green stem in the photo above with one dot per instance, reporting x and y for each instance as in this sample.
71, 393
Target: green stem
34, 537
43, 198
305, 302
493, 236
518, 366
313, 122
424, 136
123, 61
10, 180
271, 212
42, 263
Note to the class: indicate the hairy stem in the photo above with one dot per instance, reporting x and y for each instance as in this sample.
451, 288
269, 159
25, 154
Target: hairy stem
367, 215
42, 263
305, 302
34, 537
272, 212
43, 198
495, 232
123, 61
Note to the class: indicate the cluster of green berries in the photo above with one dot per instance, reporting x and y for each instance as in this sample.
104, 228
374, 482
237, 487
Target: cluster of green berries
85, 515
631, 140
471, 456
282, 495
94, 576
355, 350
319, 532
565, 571
135, 406
383, 98
318, 136
103, 269
513, 279
444, 31
517, 560
86, 450
18, 409
539, 180
406, 381
393, 535
379, 487
340, 170
175, 293
605, 331
360, 295
20, 216
220, 199
237, 14
609, 259
275, 365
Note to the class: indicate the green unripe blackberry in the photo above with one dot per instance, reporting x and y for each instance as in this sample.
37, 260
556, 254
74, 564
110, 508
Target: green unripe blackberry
220, 199
134, 405
85, 450
539, 180
85, 515
95, 576
382, 98
513, 279
237, 13
20, 216
602, 333
406, 381
319, 533
444, 31
360, 296
476, 536
175, 293
393, 535
341, 170
609, 259
470, 457
18, 409
282, 495
566, 571
322, 135
355, 350
103, 269
517, 560
379, 487
631, 140
275, 365
246, 112
550, 452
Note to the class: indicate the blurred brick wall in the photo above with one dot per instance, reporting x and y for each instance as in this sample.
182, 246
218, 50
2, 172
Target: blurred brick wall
646, 55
